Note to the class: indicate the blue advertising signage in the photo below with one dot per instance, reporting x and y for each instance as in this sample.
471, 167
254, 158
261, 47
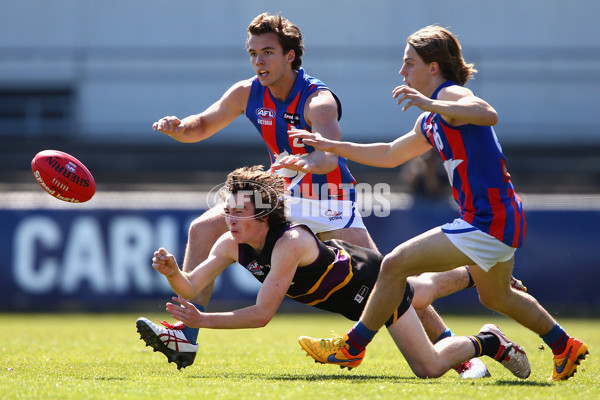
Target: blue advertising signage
85, 257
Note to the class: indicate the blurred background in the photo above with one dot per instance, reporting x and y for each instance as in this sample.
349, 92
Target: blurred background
89, 78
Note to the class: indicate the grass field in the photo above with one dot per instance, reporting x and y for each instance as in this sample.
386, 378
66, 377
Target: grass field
100, 356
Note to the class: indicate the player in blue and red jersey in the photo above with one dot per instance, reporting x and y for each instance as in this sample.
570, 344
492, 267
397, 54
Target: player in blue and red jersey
457, 125
280, 97
274, 118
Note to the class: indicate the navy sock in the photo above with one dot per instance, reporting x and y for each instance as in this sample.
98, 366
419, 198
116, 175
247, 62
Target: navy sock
556, 339
359, 337
446, 334
191, 334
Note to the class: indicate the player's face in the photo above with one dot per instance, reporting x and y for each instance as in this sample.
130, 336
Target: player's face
267, 58
240, 219
416, 73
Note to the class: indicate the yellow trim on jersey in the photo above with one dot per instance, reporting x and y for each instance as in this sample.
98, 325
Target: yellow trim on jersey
335, 289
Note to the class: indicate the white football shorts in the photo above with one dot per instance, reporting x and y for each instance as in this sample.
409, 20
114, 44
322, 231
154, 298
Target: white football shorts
485, 250
323, 215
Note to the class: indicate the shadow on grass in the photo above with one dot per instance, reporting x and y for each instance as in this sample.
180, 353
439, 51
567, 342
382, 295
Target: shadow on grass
356, 378
524, 383
307, 377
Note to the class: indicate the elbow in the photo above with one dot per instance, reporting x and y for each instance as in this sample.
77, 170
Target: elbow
187, 293
187, 296
263, 320
388, 161
491, 118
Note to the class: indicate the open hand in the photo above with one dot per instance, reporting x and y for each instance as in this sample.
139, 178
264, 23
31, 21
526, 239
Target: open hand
185, 312
313, 139
414, 97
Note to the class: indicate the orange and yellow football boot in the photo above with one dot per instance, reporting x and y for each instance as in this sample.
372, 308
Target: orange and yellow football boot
565, 364
331, 351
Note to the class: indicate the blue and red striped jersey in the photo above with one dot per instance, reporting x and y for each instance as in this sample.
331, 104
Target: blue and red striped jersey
476, 168
273, 119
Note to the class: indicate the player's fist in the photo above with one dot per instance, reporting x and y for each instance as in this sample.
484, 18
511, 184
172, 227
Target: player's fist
164, 262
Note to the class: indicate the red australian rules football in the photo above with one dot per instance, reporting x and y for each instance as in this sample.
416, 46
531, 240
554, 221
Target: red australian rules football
63, 176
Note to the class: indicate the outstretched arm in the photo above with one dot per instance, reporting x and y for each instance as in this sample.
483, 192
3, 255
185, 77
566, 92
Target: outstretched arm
220, 114
293, 248
385, 155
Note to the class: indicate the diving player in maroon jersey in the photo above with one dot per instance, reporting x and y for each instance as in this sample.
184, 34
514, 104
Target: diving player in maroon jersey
289, 260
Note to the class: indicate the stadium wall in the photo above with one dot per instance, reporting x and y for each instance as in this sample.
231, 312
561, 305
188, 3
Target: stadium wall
103, 71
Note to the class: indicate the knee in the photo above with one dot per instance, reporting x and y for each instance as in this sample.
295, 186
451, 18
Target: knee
428, 371
392, 267
423, 291
494, 301
207, 228
196, 228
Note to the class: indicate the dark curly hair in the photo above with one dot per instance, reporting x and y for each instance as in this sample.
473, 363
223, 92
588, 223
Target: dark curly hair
267, 192
290, 37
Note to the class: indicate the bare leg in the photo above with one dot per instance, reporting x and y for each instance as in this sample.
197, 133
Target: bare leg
432, 286
428, 252
432, 322
495, 293
428, 287
203, 233
432, 251
425, 359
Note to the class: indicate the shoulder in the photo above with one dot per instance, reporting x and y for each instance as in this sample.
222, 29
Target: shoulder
296, 236
321, 104
454, 93
322, 98
237, 95
226, 246
419, 122
242, 87
298, 245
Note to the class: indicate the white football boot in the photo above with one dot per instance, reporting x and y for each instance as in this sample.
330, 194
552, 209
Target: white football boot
169, 340
473, 369
509, 354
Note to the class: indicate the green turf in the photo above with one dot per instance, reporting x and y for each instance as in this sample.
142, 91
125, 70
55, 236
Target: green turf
87, 356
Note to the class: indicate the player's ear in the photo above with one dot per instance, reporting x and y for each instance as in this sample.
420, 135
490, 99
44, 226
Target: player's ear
291, 56
434, 68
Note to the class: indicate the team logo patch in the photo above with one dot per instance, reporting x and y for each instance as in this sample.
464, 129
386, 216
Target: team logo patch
362, 294
265, 113
255, 268
333, 215
265, 116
